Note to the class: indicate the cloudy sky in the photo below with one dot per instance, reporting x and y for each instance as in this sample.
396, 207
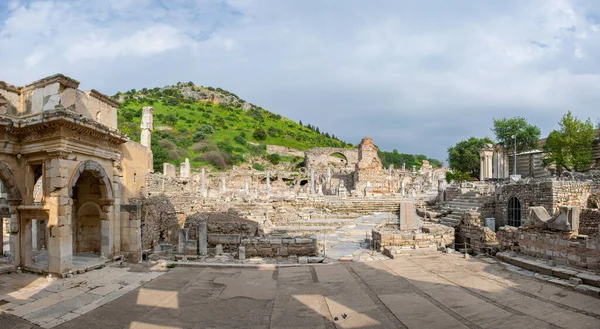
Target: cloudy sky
417, 76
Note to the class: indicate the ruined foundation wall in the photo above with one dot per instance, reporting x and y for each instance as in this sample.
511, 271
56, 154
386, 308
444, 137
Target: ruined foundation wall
550, 194
432, 236
280, 247
477, 238
562, 247
589, 221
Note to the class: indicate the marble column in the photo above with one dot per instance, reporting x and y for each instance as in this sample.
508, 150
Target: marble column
312, 181
15, 235
268, 182
202, 238
34, 234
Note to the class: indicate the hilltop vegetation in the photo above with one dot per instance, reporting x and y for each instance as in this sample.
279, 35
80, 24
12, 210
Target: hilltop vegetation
212, 126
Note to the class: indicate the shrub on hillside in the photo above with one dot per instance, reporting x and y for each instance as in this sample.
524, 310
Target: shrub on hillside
257, 149
216, 158
274, 158
204, 147
240, 140
259, 134
258, 166
167, 144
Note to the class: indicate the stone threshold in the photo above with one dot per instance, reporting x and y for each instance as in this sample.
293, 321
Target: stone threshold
247, 265
582, 281
100, 263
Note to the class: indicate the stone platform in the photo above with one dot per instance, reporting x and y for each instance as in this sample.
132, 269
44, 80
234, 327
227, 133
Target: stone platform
441, 291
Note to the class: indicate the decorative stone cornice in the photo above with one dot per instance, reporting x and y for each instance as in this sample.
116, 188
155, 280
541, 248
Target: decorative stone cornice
49, 121
57, 78
9, 87
103, 98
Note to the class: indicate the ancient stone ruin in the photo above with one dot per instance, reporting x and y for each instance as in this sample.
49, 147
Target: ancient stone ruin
65, 142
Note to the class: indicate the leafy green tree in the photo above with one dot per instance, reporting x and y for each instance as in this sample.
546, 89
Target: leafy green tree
464, 156
159, 156
570, 147
527, 135
457, 176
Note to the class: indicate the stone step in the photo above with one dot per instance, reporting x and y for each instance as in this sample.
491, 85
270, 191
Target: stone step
283, 229
7, 268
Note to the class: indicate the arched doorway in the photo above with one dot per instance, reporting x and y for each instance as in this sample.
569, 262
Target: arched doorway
92, 196
88, 229
514, 212
338, 159
87, 214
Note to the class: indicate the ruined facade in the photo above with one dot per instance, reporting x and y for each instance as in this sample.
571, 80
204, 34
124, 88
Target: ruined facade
67, 141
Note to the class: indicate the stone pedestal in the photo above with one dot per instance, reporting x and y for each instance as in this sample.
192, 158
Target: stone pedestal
183, 239
242, 252
408, 216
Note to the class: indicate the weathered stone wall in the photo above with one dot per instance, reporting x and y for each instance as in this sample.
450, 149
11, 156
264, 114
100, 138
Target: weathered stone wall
222, 223
548, 193
477, 238
159, 223
562, 247
273, 247
320, 157
589, 220
431, 236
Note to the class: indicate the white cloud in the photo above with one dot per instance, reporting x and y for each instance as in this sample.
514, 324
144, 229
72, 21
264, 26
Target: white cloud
403, 72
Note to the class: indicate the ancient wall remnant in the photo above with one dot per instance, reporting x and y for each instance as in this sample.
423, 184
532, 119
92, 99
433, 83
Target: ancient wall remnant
564, 247
68, 140
323, 157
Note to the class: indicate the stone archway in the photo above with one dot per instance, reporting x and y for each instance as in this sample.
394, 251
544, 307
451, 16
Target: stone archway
98, 172
91, 192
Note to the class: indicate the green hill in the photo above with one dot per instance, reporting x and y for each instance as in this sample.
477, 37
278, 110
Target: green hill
213, 126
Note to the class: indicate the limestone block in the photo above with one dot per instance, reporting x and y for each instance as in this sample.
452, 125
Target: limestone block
302, 260
224, 238
241, 252
282, 251
219, 249
265, 252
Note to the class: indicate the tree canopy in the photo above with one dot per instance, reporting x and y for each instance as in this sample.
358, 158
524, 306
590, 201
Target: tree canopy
570, 147
395, 158
464, 156
527, 135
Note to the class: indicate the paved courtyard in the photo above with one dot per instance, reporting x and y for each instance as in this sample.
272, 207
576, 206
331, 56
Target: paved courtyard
441, 291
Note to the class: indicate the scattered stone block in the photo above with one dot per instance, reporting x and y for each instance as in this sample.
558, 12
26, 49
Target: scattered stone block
303, 260
574, 280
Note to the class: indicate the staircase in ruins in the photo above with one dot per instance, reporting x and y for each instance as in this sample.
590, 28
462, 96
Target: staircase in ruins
460, 205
